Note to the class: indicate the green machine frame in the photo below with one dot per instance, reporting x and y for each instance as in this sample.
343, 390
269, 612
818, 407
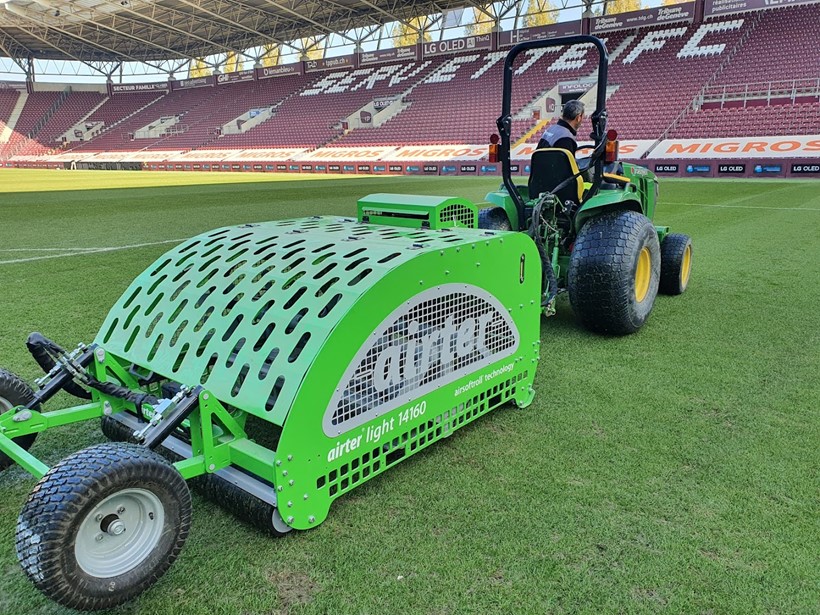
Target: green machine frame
354, 344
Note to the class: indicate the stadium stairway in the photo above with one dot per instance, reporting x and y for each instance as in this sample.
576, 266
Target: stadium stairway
39, 107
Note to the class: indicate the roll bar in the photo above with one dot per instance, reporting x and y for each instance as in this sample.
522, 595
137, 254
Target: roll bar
504, 122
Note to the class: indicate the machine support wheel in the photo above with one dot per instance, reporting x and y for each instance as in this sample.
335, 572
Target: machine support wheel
14, 392
614, 272
493, 219
103, 525
676, 263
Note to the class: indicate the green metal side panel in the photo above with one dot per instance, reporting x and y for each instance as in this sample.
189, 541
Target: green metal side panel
483, 296
245, 310
417, 211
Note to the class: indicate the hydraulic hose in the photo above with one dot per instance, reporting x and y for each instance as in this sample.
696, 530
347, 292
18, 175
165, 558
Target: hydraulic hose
548, 280
138, 398
44, 350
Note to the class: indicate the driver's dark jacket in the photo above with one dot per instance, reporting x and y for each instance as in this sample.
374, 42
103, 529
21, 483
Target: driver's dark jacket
560, 135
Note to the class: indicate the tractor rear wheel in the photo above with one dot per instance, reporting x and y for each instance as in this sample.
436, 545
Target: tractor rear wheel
614, 272
494, 219
103, 525
676, 263
14, 392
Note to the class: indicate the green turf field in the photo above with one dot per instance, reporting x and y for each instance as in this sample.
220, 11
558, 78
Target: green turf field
675, 470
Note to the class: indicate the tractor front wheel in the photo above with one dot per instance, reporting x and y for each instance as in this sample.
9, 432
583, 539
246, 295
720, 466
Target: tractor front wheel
103, 525
494, 219
14, 392
676, 263
614, 272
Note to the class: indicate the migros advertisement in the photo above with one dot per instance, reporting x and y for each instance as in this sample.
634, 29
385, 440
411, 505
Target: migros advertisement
745, 147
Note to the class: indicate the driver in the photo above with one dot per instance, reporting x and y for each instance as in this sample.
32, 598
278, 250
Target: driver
562, 134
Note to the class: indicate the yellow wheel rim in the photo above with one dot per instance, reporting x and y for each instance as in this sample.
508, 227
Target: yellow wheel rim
643, 274
686, 266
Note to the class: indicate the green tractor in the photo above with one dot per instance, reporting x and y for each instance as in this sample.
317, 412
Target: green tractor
277, 366
596, 239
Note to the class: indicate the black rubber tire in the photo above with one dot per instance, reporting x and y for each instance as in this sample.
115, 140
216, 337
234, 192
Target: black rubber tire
51, 518
602, 272
674, 279
16, 392
494, 219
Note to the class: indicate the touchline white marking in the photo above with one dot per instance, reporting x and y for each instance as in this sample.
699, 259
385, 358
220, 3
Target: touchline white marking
90, 251
74, 249
761, 207
742, 206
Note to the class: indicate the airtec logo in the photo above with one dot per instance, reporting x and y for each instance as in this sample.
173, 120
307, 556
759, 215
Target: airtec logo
441, 346
436, 338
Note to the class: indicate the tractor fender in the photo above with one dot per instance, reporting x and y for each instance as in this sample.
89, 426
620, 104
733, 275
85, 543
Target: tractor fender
501, 198
606, 201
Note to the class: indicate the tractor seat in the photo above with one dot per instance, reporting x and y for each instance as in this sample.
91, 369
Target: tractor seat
549, 167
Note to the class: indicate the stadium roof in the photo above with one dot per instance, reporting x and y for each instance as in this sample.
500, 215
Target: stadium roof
138, 30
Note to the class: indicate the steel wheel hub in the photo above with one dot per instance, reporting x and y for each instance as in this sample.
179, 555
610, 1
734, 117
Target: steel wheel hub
119, 533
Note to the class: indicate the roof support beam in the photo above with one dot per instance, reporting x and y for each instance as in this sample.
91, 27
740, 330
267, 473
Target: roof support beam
49, 40
323, 28
13, 47
199, 6
153, 31
388, 14
47, 29
171, 27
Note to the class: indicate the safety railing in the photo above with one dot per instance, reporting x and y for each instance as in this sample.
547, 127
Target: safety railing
784, 90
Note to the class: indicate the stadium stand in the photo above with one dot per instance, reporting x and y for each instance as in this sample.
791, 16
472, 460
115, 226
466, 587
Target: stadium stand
305, 114
293, 123
776, 48
774, 120
737, 75
448, 105
119, 108
659, 75
770, 86
72, 108
36, 107
122, 136
8, 98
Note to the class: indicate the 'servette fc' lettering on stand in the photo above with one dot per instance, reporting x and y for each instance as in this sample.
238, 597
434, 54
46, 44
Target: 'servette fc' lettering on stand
434, 339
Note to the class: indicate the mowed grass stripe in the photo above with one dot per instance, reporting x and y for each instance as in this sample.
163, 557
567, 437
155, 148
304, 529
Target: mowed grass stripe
673, 470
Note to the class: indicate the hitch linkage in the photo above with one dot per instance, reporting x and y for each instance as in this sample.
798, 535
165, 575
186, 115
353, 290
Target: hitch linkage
67, 367
168, 415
